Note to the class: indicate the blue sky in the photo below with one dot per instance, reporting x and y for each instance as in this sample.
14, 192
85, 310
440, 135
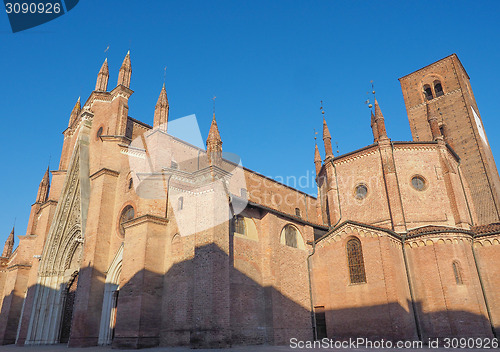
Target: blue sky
268, 62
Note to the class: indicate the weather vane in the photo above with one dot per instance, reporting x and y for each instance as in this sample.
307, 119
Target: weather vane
214, 103
164, 75
107, 48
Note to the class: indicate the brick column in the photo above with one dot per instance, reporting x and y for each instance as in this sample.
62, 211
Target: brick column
141, 283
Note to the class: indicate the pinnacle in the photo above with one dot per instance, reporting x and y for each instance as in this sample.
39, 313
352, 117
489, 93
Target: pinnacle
126, 60
104, 68
77, 106
213, 134
317, 156
47, 173
378, 112
326, 131
162, 99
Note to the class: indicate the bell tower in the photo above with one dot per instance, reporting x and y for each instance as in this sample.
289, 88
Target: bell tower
443, 90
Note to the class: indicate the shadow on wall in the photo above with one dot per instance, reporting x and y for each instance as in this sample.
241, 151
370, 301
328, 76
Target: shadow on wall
206, 302
392, 322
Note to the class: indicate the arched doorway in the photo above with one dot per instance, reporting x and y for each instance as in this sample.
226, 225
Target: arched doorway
110, 300
67, 314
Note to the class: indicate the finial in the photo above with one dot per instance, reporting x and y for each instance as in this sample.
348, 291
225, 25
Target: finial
106, 60
315, 136
321, 108
370, 105
128, 52
214, 104
107, 48
164, 75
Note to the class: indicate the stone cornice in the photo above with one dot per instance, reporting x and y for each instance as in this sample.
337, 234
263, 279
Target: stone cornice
104, 171
121, 91
18, 266
350, 225
458, 90
113, 138
145, 219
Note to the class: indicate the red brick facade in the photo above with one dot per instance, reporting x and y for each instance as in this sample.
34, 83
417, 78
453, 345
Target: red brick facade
395, 246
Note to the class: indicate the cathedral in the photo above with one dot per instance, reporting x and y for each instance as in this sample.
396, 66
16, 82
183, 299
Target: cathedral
142, 239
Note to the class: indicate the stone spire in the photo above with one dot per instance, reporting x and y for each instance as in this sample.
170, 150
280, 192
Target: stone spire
317, 159
214, 144
161, 111
9, 245
433, 124
75, 112
125, 71
102, 77
374, 127
327, 140
380, 122
43, 189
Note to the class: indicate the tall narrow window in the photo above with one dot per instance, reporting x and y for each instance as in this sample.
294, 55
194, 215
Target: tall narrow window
239, 224
291, 236
180, 203
458, 273
355, 261
438, 89
297, 212
319, 312
428, 92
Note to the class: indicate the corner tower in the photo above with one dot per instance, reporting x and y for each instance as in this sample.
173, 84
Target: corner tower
443, 88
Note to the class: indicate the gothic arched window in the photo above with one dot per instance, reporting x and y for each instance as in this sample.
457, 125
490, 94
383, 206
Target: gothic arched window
438, 88
239, 225
457, 271
180, 203
291, 236
127, 214
355, 261
428, 92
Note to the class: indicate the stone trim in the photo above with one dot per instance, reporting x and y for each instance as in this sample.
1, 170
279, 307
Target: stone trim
145, 218
104, 171
361, 228
438, 238
18, 266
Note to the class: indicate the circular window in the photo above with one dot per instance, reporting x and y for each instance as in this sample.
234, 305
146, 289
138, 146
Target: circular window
361, 191
126, 215
418, 183
99, 133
